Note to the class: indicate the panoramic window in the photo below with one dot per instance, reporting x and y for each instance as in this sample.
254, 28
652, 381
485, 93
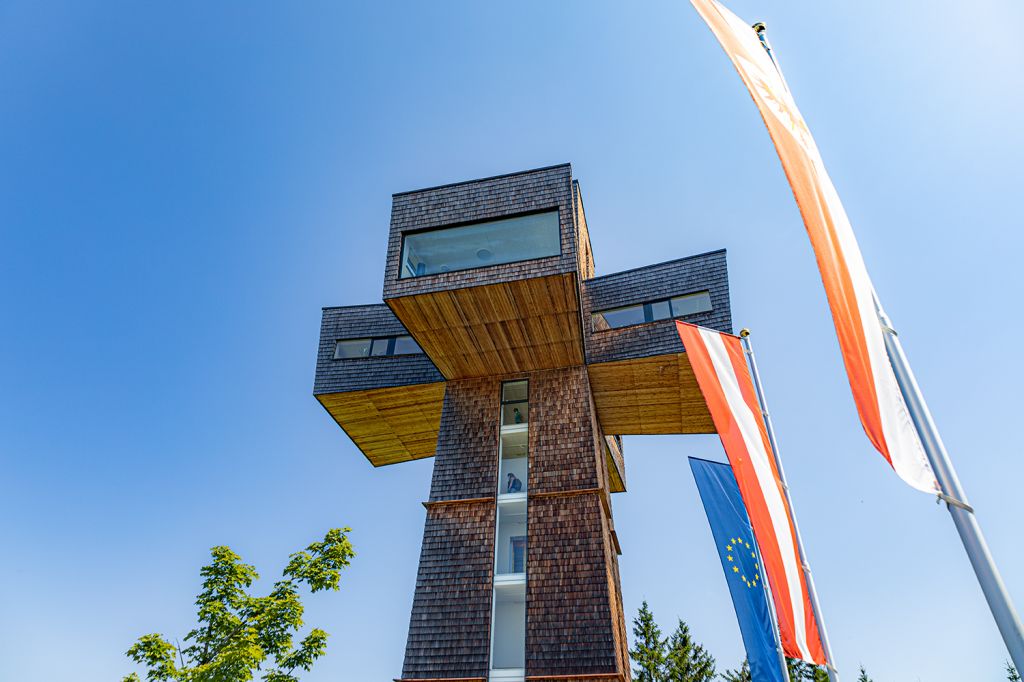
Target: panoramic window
364, 348
476, 246
680, 306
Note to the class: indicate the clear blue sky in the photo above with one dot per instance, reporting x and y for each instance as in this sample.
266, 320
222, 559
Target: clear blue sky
183, 186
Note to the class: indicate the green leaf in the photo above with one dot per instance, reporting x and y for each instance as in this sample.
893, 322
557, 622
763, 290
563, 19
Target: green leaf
319, 566
237, 632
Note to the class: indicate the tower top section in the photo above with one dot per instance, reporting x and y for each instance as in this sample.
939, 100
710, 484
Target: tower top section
485, 274
496, 278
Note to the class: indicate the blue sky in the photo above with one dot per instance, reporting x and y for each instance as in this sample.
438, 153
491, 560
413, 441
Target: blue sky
183, 187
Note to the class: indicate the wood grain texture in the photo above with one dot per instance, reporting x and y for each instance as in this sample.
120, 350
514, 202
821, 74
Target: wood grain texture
467, 445
573, 619
501, 328
390, 425
615, 465
565, 452
646, 396
570, 599
450, 625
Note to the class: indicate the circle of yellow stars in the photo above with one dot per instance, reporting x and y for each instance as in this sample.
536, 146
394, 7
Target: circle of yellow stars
733, 551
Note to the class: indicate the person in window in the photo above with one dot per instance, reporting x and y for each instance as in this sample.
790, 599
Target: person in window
514, 485
517, 416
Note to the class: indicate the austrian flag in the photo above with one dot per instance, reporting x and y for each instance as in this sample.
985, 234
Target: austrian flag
851, 296
724, 379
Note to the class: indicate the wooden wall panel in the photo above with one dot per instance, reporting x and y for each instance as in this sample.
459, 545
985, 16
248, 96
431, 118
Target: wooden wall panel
390, 425
501, 328
616, 465
647, 396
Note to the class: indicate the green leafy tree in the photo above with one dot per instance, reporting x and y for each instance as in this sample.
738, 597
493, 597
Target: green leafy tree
239, 635
863, 677
1011, 673
742, 674
685, 660
648, 652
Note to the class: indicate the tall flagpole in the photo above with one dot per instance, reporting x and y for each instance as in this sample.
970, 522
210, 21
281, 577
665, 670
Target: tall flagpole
953, 494
966, 523
771, 610
833, 674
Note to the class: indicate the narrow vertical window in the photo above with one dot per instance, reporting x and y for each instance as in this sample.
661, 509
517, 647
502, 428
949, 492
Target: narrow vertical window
508, 627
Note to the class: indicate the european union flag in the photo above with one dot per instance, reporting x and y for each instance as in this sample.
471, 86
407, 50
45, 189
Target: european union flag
734, 540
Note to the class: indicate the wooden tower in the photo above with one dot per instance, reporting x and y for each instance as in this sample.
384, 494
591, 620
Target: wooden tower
498, 352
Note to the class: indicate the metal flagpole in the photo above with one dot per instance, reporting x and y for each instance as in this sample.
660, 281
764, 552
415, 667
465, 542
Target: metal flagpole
759, 29
833, 674
771, 610
953, 494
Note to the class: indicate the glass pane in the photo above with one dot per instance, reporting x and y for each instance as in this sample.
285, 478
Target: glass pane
511, 539
514, 391
380, 347
512, 476
691, 304
475, 246
514, 444
509, 628
352, 348
517, 554
514, 413
622, 317
660, 311
404, 345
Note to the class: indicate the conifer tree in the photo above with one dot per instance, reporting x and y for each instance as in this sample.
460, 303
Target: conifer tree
1011, 673
740, 675
685, 660
799, 671
648, 652
863, 677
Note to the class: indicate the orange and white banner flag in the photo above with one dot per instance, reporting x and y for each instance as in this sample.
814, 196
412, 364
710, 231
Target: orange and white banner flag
851, 296
724, 379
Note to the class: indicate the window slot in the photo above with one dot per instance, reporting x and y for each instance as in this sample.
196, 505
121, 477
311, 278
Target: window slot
627, 316
345, 349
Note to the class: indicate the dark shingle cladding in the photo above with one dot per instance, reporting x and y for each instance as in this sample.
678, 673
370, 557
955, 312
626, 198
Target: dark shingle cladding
704, 272
570, 614
449, 630
450, 625
465, 464
480, 200
565, 452
358, 374
572, 590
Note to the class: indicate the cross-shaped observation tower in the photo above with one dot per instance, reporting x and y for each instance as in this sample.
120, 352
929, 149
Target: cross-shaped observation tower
498, 352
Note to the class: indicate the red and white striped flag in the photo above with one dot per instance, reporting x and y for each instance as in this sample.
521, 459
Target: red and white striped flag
851, 296
724, 378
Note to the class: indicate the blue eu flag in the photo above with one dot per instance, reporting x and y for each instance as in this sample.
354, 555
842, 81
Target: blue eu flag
734, 541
